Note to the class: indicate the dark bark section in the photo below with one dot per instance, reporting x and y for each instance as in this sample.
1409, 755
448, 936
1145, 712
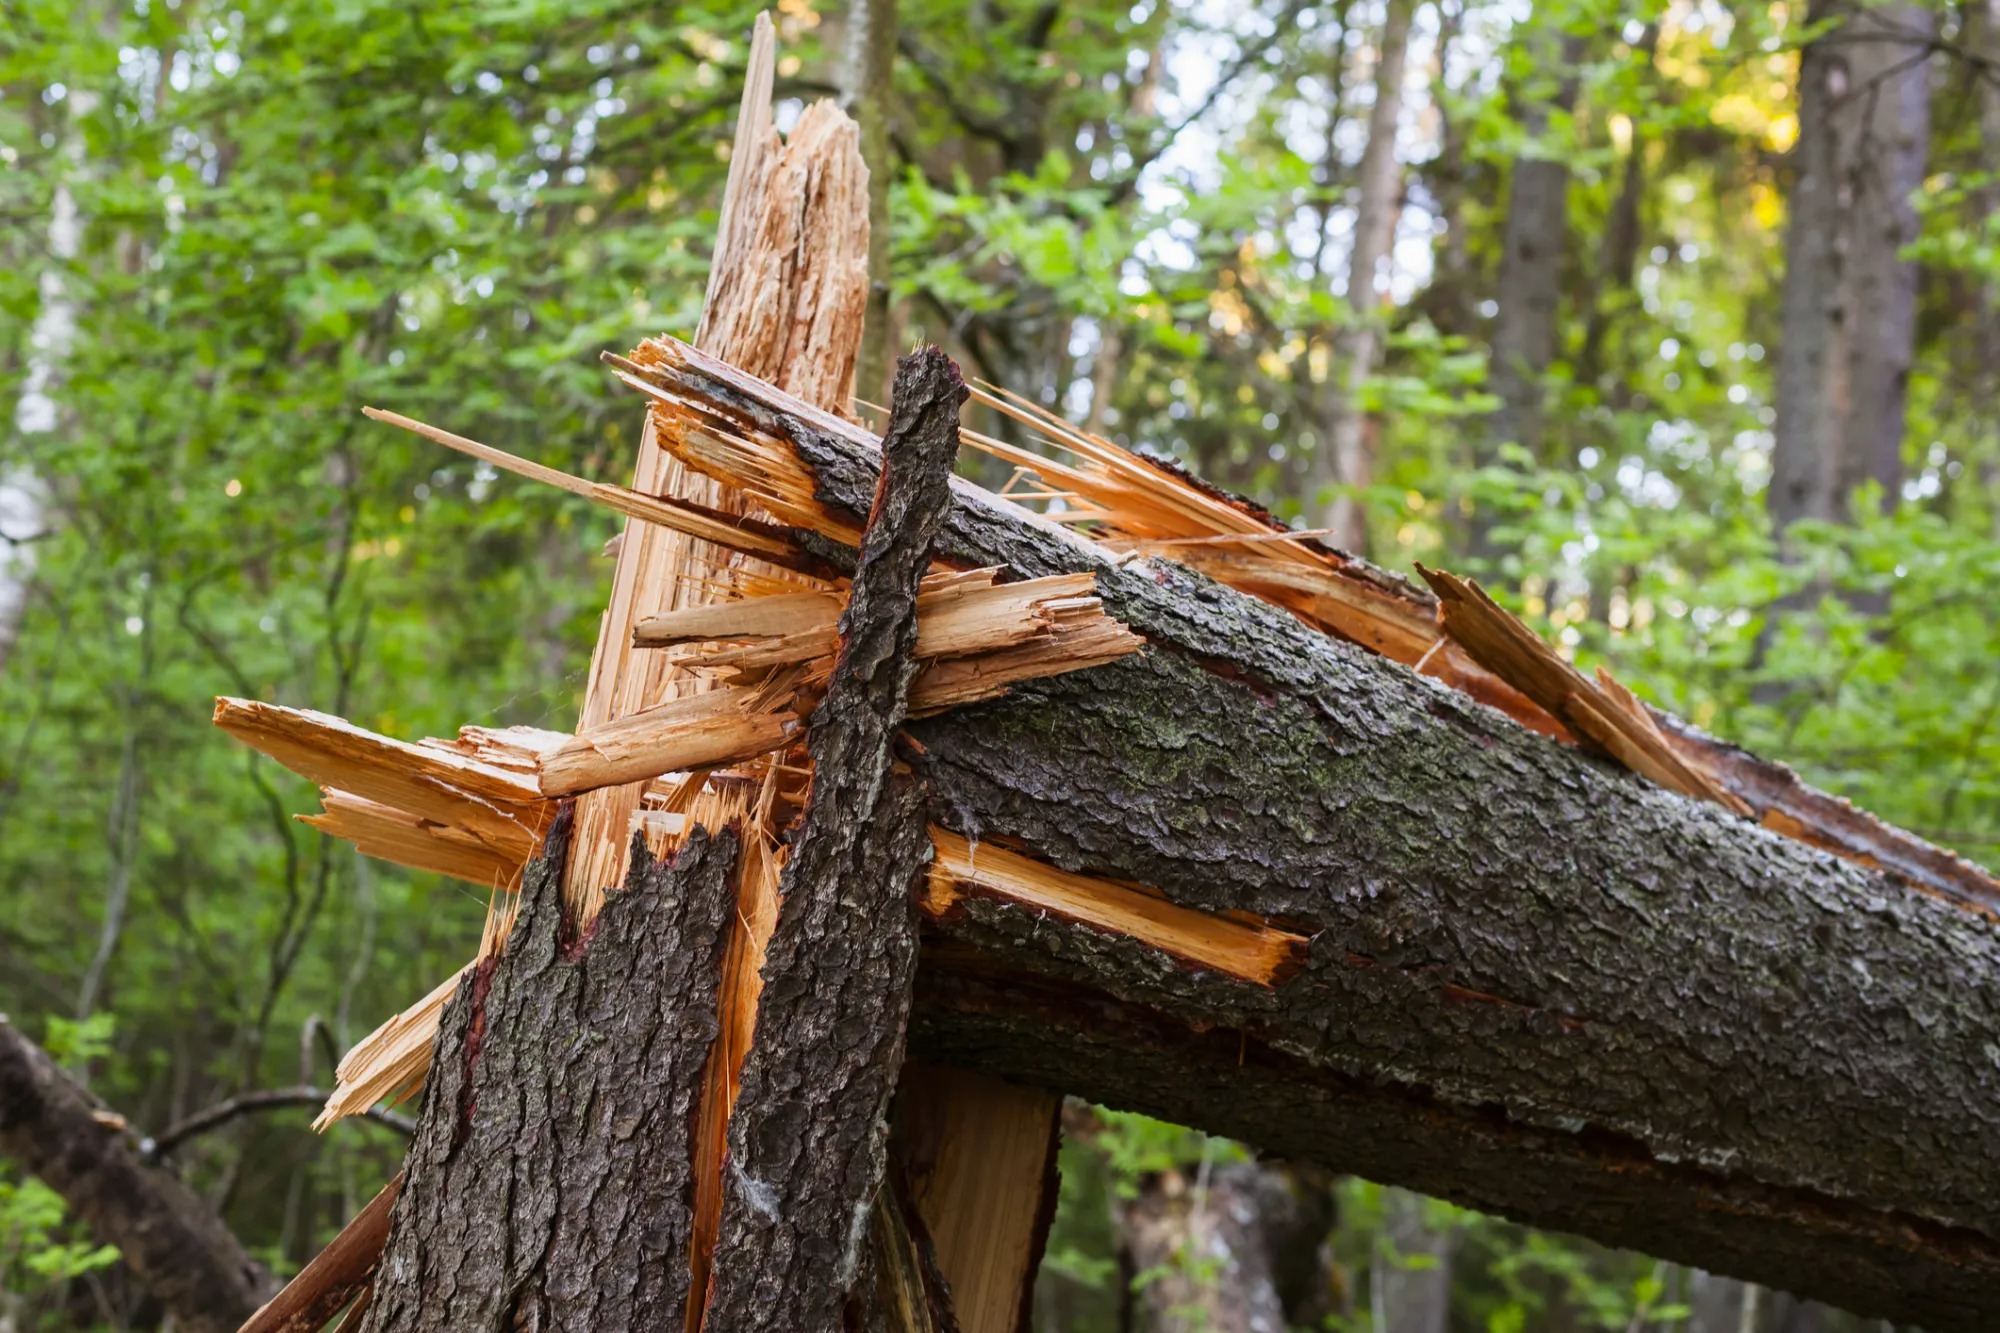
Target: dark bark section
1501, 927
976, 1011
549, 1185
173, 1242
806, 1140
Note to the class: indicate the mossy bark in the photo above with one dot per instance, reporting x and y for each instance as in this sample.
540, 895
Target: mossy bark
1537, 984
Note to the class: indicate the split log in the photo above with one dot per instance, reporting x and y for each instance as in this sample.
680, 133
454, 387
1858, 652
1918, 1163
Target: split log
978, 1157
1535, 983
807, 1138
175, 1245
549, 1183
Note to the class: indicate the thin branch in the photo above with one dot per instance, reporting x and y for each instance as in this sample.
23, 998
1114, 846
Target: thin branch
252, 1103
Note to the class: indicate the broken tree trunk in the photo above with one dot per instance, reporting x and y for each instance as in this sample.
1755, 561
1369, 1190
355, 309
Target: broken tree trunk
807, 1137
1527, 981
549, 1184
175, 1245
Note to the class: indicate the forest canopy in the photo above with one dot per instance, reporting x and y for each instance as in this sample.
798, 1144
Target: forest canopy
1678, 326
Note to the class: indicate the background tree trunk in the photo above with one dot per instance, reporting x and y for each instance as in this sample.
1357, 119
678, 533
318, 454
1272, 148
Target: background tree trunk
1200, 1244
1412, 1297
867, 93
1533, 240
1849, 299
1343, 460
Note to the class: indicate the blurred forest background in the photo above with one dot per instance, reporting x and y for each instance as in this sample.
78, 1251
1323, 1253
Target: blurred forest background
1679, 324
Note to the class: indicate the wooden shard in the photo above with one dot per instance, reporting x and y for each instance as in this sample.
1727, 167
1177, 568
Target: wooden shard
1249, 951
388, 1065
1602, 714
699, 731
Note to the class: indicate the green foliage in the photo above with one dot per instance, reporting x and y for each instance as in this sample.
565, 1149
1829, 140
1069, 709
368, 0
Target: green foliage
1138, 213
39, 1251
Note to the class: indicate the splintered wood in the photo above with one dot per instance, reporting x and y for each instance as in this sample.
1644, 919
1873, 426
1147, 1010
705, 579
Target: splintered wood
1136, 503
1247, 950
1602, 714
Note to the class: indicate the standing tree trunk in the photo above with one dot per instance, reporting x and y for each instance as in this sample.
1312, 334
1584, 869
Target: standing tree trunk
1343, 459
1205, 1249
1618, 254
1982, 22
1412, 1291
1533, 242
867, 87
1849, 300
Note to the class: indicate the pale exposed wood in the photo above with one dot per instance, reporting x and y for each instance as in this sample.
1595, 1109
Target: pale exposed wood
682, 516
700, 731
744, 618
742, 194
788, 305
979, 1155
959, 615
736, 1007
1080, 638
409, 839
1602, 713
1249, 951
499, 809
388, 1064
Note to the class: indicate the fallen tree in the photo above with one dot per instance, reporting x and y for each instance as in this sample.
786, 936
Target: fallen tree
1359, 875
175, 1245
1532, 982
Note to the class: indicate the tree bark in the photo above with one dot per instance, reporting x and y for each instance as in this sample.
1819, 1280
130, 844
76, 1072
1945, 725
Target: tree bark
1535, 984
1357, 345
807, 1137
549, 1185
173, 1242
1848, 306
1533, 241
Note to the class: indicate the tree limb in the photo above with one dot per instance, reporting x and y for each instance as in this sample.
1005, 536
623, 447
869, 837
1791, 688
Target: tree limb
174, 1243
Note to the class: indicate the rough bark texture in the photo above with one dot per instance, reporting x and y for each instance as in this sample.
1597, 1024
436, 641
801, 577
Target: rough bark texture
1537, 985
548, 1186
173, 1242
807, 1137
1848, 306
